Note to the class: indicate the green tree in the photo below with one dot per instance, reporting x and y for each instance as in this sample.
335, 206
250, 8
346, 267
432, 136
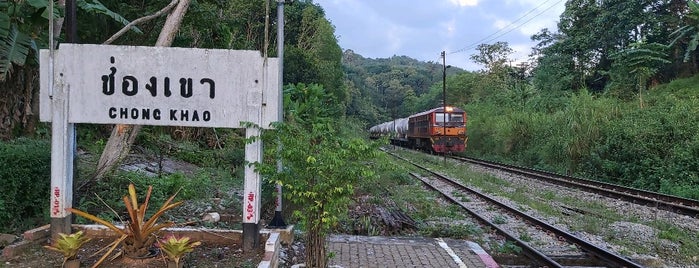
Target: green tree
690, 31
312, 54
15, 41
590, 32
23, 31
321, 166
494, 57
18, 61
643, 61
495, 81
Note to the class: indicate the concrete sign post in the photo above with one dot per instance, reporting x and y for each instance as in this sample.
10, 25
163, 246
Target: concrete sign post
164, 86
62, 144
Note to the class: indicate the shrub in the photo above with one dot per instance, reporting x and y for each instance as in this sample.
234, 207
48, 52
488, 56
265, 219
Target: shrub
25, 171
652, 148
189, 188
321, 166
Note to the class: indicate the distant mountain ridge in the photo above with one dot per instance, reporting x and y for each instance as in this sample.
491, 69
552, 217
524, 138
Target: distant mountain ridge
386, 88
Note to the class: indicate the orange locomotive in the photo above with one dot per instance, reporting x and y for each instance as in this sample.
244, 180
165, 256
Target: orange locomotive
434, 130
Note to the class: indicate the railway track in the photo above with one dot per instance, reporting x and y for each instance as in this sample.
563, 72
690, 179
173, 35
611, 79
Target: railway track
568, 250
684, 206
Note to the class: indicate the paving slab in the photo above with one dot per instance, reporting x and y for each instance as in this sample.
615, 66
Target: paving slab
377, 251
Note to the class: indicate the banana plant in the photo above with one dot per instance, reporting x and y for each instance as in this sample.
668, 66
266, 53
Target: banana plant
15, 43
23, 29
690, 31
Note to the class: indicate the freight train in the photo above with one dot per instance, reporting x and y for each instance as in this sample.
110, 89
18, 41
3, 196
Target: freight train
436, 130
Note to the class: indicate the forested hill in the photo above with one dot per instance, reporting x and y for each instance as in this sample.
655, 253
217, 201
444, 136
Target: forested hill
610, 94
385, 88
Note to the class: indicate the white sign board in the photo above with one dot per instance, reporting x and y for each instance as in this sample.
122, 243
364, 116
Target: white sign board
162, 86
165, 86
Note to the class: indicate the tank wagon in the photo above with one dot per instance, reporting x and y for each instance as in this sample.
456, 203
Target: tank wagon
440, 130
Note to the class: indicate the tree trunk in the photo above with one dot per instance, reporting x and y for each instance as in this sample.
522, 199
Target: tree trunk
315, 248
123, 136
28, 118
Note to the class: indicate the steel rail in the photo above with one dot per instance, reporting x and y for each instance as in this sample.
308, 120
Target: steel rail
539, 257
608, 257
684, 206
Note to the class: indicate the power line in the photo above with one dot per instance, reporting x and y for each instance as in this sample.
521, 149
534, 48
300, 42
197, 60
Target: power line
488, 39
503, 28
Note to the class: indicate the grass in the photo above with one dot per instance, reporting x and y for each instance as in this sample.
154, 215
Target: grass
687, 241
460, 196
508, 248
596, 219
499, 219
217, 174
456, 231
435, 217
524, 236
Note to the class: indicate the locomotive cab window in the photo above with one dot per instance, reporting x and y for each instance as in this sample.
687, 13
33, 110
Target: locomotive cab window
439, 118
455, 119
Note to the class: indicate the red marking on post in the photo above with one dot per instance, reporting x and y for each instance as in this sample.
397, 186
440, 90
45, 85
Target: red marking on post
250, 208
56, 201
250, 211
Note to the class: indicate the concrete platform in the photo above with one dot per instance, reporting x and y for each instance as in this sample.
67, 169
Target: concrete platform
365, 251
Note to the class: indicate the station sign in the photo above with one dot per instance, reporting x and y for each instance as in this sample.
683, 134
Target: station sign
162, 86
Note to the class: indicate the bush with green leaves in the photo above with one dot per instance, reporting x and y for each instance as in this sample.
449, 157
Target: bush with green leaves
654, 148
599, 136
103, 194
25, 174
321, 166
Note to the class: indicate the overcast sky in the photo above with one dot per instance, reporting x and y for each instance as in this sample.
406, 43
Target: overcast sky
422, 29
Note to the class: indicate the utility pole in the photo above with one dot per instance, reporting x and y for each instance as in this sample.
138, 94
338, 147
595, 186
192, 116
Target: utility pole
72, 37
278, 219
444, 104
71, 22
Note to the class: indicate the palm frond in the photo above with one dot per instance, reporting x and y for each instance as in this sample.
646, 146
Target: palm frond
44, 5
681, 32
4, 25
692, 46
14, 48
95, 6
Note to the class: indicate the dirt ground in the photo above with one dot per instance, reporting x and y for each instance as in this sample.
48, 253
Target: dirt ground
203, 256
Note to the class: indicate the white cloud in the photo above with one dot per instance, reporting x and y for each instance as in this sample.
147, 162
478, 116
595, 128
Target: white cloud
501, 24
450, 27
520, 52
464, 3
422, 29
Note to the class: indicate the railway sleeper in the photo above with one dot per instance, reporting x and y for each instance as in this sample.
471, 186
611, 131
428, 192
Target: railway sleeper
511, 261
578, 261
